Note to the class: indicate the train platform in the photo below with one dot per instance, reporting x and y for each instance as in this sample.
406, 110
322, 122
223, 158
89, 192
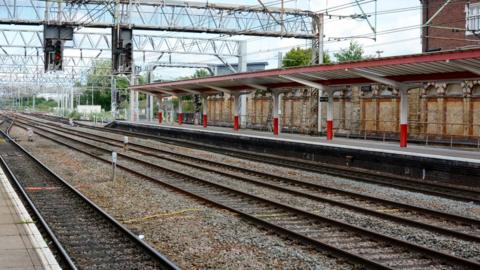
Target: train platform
439, 152
21, 244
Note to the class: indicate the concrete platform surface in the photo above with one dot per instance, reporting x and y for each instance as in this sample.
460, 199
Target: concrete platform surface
440, 152
21, 244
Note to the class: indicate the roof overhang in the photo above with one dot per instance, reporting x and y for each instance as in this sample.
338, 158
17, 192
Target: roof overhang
399, 71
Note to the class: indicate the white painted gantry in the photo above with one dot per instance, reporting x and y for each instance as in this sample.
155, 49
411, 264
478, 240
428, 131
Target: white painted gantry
400, 72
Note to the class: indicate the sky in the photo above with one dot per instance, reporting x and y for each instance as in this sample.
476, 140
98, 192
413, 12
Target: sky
266, 49
389, 44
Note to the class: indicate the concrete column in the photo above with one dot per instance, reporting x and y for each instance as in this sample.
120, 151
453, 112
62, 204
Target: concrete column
242, 67
276, 108
172, 112
137, 106
319, 111
180, 111
205, 111
330, 115
403, 117
131, 106
238, 110
150, 107
147, 107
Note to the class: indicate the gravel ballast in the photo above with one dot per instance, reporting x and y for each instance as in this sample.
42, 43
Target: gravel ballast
193, 235
421, 237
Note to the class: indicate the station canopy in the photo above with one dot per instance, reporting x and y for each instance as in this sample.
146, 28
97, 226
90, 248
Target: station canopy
398, 71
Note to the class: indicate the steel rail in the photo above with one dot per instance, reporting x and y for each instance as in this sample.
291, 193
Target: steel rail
427, 187
56, 243
164, 263
432, 254
10, 126
452, 218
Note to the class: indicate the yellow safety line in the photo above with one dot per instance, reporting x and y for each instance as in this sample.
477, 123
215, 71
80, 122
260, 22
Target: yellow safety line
271, 215
167, 214
383, 210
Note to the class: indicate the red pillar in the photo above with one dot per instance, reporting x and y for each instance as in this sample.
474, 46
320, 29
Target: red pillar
160, 117
235, 123
329, 129
403, 117
275, 126
330, 116
403, 135
205, 120
180, 118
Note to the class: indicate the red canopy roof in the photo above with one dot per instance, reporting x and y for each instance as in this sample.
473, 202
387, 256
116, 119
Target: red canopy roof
439, 66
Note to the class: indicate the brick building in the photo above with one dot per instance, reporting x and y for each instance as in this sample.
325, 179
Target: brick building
457, 25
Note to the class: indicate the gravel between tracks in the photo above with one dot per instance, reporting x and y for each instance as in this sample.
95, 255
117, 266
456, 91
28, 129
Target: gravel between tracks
421, 237
193, 235
433, 202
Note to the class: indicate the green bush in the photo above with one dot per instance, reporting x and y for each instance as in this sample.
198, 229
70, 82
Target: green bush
74, 115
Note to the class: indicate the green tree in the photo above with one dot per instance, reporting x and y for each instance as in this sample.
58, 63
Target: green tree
354, 52
41, 104
99, 81
302, 57
200, 73
98, 86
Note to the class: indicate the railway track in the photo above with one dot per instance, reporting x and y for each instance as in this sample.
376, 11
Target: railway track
440, 222
446, 190
456, 192
359, 245
452, 191
85, 235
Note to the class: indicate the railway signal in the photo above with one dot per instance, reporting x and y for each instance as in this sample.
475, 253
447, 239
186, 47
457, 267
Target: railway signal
58, 55
128, 57
54, 38
122, 50
53, 55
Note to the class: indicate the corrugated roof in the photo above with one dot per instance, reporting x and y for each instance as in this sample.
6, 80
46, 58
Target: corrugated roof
439, 66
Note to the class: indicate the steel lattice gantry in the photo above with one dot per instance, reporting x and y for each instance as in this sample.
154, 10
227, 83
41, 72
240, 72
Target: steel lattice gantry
12, 38
27, 46
163, 16
175, 16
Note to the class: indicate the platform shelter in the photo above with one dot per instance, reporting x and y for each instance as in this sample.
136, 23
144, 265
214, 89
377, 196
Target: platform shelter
400, 72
